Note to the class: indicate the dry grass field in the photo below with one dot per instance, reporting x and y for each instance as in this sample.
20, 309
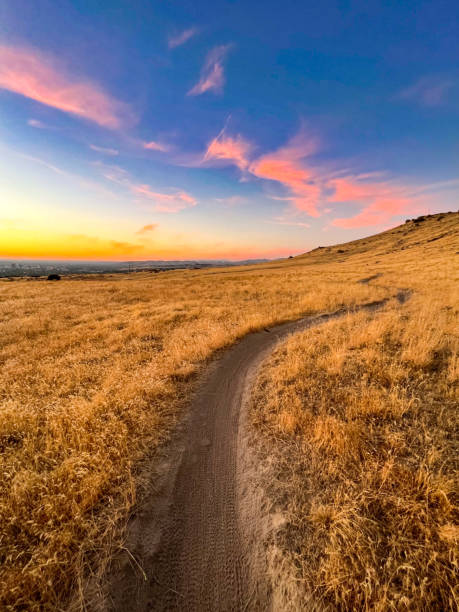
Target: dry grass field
363, 415
95, 372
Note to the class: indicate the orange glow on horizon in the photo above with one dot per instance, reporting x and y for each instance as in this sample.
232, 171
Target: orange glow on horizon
16, 244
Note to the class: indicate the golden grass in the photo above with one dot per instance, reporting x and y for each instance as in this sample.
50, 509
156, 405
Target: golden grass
362, 416
93, 376
95, 372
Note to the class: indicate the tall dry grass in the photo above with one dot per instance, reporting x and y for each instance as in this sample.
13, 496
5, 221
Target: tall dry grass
93, 375
362, 416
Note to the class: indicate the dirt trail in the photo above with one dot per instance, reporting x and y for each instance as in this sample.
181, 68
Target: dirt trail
187, 548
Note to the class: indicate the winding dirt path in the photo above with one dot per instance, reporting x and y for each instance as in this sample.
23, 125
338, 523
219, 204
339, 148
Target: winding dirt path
188, 547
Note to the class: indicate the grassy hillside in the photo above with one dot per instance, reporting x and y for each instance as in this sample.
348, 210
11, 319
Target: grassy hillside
362, 418
96, 371
418, 234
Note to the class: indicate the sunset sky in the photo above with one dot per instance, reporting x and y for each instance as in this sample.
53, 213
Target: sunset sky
242, 129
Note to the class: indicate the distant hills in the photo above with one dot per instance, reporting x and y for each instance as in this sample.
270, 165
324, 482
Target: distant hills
38, 267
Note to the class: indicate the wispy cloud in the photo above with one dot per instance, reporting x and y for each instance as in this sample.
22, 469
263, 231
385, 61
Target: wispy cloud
439, 186
146, 229
153, 145
104, 150
230, 149
115, 174
231, 201
46, 164
315, 188
35, 75
180, 39
95, 246
428, 91
35, 123
172, 202
310, 188
77, 179
212, 74
166, 202
287, 221
381, 201
287, 166
378, 213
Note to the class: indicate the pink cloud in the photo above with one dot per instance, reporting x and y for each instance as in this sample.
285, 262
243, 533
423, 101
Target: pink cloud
286, 166
375, 214
212, 74
360, 189
181, 38
156, 146
311, 189
349, 190
232, 149
428, 91
165, 202
32, 74
381, 201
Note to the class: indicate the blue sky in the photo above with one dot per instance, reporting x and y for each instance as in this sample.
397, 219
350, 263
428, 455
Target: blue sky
222, 129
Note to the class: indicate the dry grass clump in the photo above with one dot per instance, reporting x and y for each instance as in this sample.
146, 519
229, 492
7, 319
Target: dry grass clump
93, 374
363, 416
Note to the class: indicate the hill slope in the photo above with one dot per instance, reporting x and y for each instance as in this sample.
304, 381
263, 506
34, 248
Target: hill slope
416, 234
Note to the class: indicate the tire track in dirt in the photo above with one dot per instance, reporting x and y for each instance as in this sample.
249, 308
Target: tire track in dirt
187, 548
